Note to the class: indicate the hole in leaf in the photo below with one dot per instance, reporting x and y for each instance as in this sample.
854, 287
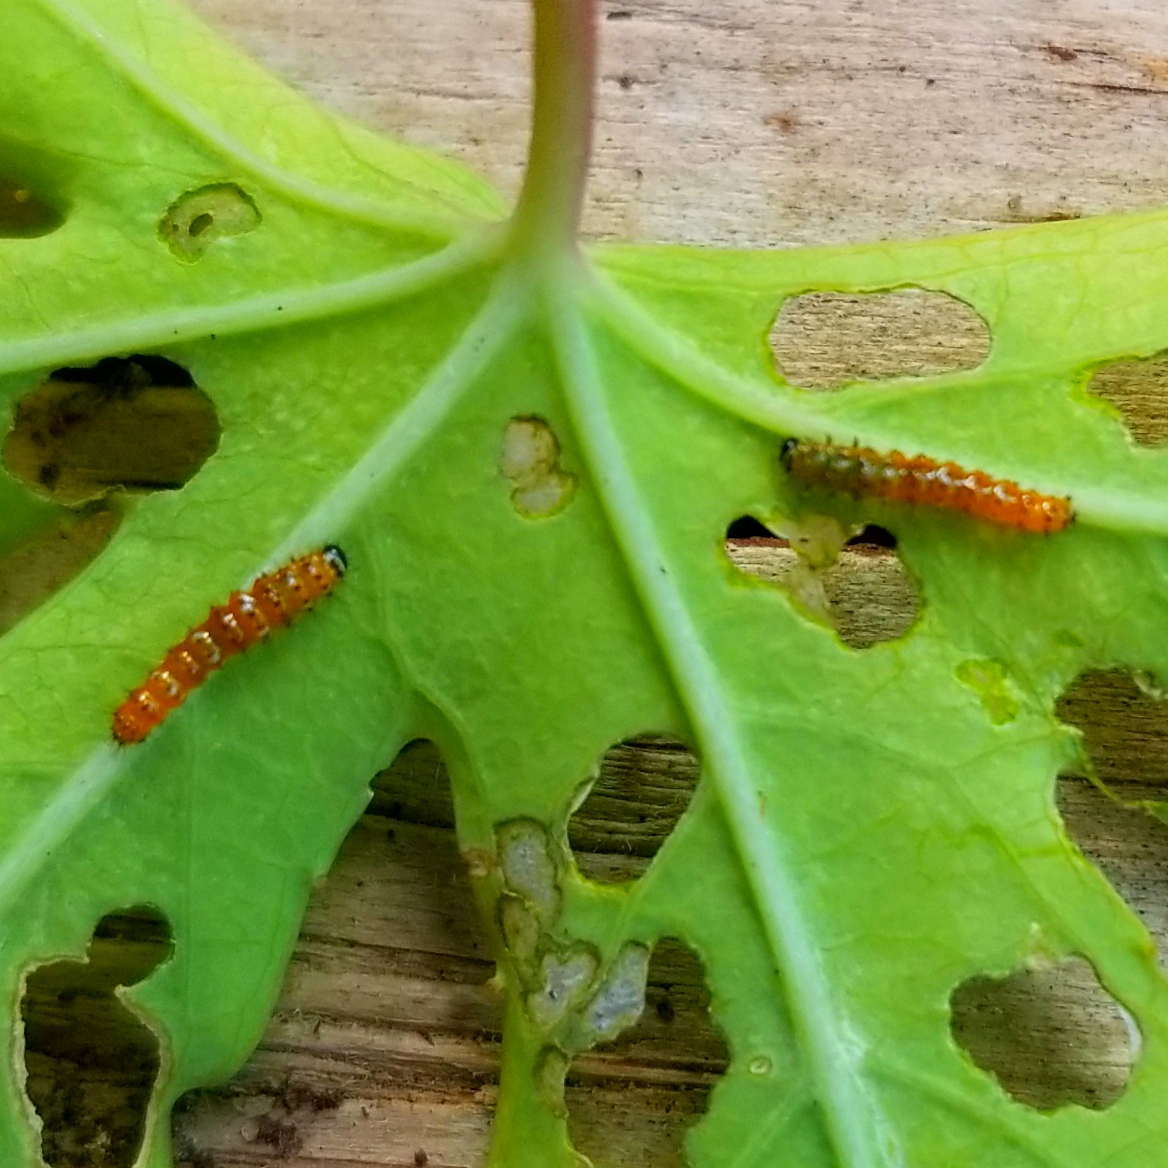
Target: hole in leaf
200, 223
415, 787
642, 789
1139, 390
31, 572
1124, 723
1051, 1037
867, 595
386, 1037
873, 536
746, 527
530, 461
136, 423
91, 1061
632, 1101
1128, 846
25, 212
198, 218
824, 340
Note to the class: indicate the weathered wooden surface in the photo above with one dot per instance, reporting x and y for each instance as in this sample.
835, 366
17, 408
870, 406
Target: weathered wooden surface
763, 122
752, 122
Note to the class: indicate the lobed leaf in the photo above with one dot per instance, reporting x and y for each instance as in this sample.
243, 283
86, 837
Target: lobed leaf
872, 827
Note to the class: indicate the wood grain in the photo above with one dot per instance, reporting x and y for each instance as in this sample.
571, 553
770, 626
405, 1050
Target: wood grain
744, 122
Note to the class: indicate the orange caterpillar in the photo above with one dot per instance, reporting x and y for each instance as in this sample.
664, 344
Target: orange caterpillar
273, 600
859, 470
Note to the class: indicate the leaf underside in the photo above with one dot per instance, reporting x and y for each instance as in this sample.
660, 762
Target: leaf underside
865, 837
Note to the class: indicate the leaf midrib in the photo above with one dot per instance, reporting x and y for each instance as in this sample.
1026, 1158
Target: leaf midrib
833, 1070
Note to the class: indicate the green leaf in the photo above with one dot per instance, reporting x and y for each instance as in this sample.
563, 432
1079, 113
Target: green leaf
530, 458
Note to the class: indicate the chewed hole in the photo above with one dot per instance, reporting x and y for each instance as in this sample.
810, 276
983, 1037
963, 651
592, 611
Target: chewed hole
31, 572
1139, 390
824, 340
92, 1062
25, 212
643, 1091
1124, 727
747, 527
642, 788
868, 596
1051, 1037
415, 787
872, 536
1124, 723
391, 958
1128, 846
138, 423
530, 461
198, 218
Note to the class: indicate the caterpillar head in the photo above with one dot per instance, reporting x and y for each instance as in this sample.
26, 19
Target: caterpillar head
335, 558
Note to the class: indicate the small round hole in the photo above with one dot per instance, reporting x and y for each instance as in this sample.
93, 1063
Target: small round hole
200, 223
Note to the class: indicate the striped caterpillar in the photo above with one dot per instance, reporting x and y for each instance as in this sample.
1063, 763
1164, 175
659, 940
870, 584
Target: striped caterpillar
273, 600
859, 470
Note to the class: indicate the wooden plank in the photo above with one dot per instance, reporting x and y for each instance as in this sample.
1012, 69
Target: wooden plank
757, 123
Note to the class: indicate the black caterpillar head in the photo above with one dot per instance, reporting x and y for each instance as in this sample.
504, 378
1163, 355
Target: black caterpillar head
335, 558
